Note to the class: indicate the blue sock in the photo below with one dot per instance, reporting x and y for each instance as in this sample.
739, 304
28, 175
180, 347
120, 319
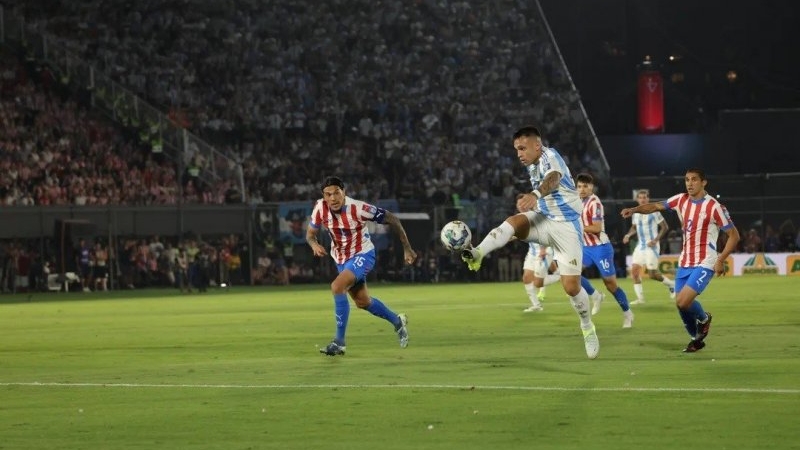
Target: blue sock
586, 285
697, 309
689, 321
622, 299
341, 308
377, 308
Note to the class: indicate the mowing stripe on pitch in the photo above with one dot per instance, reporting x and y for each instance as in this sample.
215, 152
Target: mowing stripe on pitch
405, 386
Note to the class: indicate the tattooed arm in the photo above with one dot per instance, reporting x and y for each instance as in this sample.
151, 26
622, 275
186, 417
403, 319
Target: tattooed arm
311, 239
409, 255
527, 202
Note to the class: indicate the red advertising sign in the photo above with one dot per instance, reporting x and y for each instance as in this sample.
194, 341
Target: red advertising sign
651, 102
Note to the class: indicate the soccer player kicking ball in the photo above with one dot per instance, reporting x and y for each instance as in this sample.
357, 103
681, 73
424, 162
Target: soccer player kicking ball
352, 249
701, 216
551, 215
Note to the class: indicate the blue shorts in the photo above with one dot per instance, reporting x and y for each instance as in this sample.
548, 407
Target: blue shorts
696, 278
603, 258
360, 265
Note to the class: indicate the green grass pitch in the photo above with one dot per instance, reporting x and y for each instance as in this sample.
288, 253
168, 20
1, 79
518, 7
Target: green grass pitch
240, 369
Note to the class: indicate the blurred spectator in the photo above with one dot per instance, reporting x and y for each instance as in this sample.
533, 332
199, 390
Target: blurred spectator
787, 236
99, 264
796, 243
752, 242
771, 242
182, 266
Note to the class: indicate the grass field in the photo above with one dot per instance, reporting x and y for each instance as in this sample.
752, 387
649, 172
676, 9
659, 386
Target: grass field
241, 370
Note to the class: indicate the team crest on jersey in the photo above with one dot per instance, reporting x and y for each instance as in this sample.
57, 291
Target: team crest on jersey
369, 208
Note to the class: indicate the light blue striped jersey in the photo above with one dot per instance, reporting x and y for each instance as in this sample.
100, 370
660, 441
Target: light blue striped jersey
563, 204
646, 227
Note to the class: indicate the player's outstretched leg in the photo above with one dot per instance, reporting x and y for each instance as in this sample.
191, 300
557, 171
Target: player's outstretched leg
399, 321
496, 238
473, 258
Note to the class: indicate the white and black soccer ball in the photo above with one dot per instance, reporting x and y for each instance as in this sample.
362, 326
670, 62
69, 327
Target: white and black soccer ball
456, 236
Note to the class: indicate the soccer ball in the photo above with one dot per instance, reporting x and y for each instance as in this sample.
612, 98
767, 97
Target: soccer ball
456, 236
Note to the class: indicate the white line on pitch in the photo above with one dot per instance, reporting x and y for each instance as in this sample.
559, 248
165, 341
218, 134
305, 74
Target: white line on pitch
407, 386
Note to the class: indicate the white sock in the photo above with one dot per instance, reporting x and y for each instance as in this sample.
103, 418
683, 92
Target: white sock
668, 283
580, 303
496, 238
639, 290
531, 290
552, 278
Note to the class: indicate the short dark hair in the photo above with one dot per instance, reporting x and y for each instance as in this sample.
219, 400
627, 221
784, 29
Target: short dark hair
528, 130
584, 178
700, 173
332, 181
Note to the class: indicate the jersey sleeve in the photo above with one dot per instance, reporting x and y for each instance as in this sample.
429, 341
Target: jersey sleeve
722, 217
597, 211
316, 216
371, 213
659, 218
672, 202
552, 163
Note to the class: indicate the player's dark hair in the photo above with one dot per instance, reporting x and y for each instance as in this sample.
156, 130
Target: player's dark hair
528, 130
332, 181
699, 172
584, 177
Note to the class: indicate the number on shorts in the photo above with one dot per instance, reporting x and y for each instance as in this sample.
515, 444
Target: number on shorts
702, 277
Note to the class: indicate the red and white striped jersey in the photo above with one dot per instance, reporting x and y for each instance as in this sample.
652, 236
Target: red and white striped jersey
701, 219
347, 227
592, 213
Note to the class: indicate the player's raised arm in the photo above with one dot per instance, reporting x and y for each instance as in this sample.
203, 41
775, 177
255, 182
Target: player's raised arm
648, 208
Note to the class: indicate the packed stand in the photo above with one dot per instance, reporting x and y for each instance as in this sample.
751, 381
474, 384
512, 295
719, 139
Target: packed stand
394, 91
54, 151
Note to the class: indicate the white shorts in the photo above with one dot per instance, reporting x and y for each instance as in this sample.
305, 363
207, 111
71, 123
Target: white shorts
564, 238
645, 257
540, 267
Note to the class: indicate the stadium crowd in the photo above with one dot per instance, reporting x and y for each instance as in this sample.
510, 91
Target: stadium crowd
407, 100
53, 151
397, 92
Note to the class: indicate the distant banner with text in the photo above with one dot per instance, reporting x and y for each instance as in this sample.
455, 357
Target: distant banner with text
743, 264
